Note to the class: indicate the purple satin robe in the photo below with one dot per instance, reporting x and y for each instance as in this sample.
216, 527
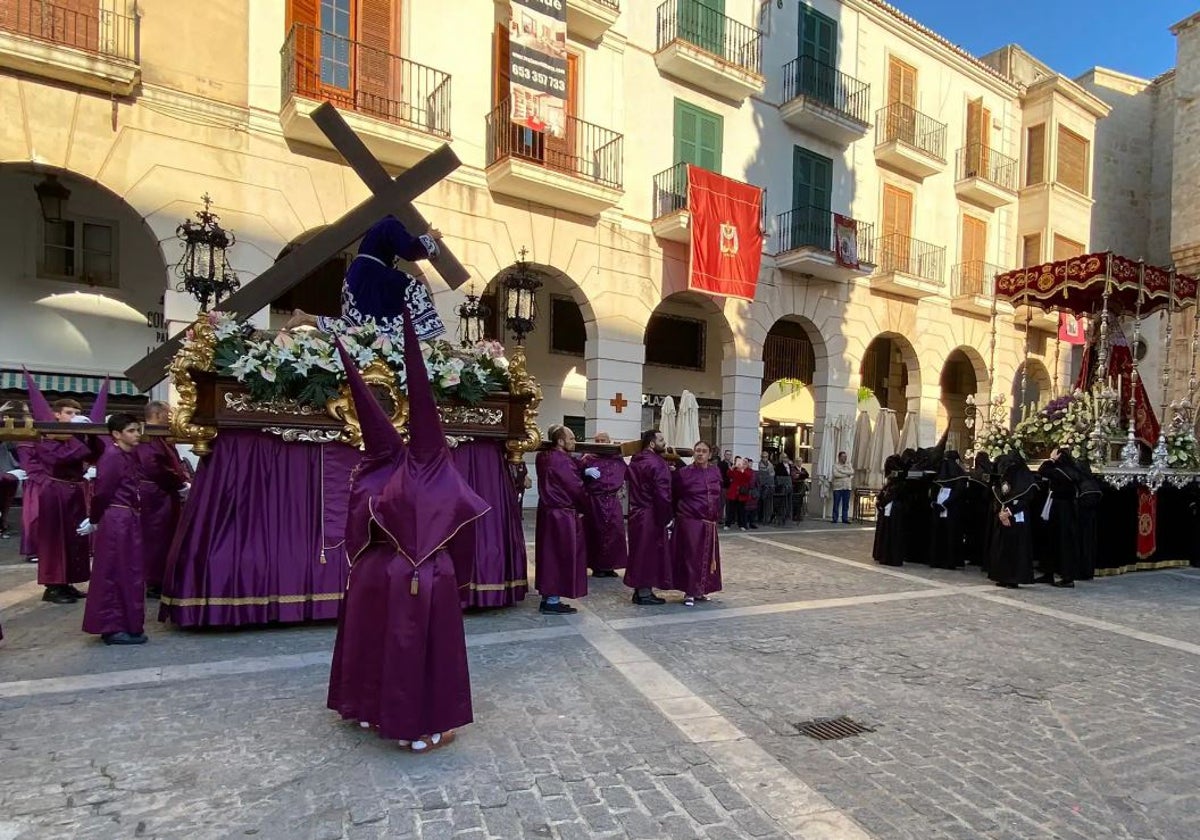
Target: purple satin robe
560, 547
162, 479
650, 511
695, 550
27, 457
62, 554
116, 601
604, 521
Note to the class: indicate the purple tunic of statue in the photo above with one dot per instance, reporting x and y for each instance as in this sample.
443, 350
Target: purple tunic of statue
374, 291
400, 657
604, 521
650, 512
560, 546
62, 505
116, 601
162, 478
27, 456
696, 553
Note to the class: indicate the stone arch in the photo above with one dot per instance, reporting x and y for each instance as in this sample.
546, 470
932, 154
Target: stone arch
1039, 386
963, 375
891, 368
93, 309
791, 416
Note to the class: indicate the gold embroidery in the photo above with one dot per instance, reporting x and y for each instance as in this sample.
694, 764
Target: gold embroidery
496, 587
260, 600
1142, 567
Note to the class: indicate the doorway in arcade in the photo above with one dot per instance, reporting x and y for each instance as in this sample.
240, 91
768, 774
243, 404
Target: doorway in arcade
787, 408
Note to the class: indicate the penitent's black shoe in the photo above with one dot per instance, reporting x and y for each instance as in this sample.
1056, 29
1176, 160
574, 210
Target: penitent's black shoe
648, 600
58, 595
1064, 584
124, 638
556, 609
610, 573
1044, 579
73, 592
154, 592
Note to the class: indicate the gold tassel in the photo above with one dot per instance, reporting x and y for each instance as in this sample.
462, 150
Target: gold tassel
412, 589
322, 558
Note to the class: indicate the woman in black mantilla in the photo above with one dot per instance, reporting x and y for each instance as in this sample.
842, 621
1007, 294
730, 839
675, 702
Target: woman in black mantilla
1012, 541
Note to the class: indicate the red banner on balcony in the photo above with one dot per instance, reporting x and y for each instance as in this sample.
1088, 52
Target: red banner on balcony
845, 236
1071, 329
727, 237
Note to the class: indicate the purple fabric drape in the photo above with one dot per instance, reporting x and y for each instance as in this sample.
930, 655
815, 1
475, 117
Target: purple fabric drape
261, 537
63, 556
489, 554
27, 457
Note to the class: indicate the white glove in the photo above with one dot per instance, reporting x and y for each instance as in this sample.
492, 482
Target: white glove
592, 472
19, 474
184, 490
90, 474
81, 418
86, 527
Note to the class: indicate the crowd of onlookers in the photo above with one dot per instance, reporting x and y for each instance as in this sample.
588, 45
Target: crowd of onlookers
772, 491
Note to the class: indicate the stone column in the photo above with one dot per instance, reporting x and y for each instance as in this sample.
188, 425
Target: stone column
741, 395
614, 388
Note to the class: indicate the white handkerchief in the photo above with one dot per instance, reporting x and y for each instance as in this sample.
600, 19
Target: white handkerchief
1019, 518
943, 495
887, 509
1046, 507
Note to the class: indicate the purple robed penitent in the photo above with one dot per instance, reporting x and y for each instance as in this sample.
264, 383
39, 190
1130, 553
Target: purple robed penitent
116, 601
604, 521
162, 477
27, 457
560, 546
62, 505
695, 550
400, 658
650, 512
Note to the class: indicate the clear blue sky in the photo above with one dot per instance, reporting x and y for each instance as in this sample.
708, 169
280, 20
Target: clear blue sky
1069, 35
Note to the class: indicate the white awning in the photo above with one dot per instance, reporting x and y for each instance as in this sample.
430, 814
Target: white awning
67, 383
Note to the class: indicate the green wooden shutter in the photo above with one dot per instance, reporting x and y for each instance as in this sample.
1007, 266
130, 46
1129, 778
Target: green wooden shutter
812, 197
702, 22
818, 36
697, 136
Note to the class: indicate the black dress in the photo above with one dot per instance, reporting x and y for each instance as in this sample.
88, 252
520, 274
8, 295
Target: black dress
1060, 549
1012, 545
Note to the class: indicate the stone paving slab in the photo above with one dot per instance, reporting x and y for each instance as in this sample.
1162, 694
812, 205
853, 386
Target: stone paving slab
990, 721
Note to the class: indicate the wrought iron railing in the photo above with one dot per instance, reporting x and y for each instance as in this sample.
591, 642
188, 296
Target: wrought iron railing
979, 161
974, 277
670, 191
908, 125
813, 227
94, 29
369, 81
905, 255
805, 76
585, 150
706, 28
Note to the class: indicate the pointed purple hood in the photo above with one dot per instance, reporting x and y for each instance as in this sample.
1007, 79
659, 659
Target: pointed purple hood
380, 438
100, 406
426, 501
39, 408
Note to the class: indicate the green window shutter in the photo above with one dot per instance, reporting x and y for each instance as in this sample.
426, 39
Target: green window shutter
697, 136
812, 196
818, 36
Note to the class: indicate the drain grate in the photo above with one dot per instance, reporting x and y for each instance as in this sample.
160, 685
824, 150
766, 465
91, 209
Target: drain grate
831, 729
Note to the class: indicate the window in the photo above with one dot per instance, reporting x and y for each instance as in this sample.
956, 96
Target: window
576, 424
79, 250
1031, 250
1065, 249
567, 333
343, 52
979, 136
764, 16
973, 254
818, 36
1035, 155
336, 35
1072, 170
676, 342
902, 83
697, 136
812, 180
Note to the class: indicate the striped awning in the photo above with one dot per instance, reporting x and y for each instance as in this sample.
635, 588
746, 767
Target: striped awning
67, 383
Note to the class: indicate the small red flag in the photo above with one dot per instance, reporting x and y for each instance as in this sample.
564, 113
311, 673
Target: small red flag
1071, 329
727, 239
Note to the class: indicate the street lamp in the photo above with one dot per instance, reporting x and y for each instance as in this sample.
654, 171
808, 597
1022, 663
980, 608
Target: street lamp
472, 319
204, 269
520, 299
52, 195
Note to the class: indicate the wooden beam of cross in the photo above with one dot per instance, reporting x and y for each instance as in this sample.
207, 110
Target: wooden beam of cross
388, 196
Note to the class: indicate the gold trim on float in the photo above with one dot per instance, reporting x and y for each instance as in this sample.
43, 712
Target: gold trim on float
1142, 567
261, 600
496, 587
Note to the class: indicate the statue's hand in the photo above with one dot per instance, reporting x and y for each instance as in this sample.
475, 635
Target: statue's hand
300, 318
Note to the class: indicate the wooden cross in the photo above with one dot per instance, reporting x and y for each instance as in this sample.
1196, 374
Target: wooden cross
619, 402
388, 196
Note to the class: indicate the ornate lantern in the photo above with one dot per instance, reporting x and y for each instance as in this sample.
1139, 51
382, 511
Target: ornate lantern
472, 319
520, 299
204, 270
52, 196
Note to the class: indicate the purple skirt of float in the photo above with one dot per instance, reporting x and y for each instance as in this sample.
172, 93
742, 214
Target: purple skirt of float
400, 659
116, 596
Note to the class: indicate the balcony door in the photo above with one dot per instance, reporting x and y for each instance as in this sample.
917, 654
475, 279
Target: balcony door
812, 196
556, 152
697, 137
979, 125
902, 101
818, 54
897, 228
344, 53
973, 254
702, 22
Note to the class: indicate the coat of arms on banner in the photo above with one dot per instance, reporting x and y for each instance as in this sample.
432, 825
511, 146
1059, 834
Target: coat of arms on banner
1071, 329
845, 240
729, 239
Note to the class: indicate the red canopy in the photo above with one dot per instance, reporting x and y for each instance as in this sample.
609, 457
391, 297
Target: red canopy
1077, 285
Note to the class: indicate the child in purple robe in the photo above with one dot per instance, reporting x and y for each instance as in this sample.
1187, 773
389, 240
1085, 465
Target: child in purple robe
116, 604
400, 657
375, 292
699, 504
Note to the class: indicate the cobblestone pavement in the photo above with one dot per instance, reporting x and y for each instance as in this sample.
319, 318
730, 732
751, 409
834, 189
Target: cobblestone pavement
1039, 713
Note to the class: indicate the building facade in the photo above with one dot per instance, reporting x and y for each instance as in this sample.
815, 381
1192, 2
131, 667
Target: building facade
952, 167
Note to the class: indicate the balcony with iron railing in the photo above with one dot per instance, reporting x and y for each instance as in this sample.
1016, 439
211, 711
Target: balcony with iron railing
670, 215
700, 45
984, 176
809, 242
581, 171
820, 99
590, 19
400, 108
93, 48
973, 287
909, 141
908, 267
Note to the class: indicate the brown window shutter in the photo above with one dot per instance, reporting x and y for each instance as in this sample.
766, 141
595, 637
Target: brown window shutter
1072, 161
302, 27
372, 60
974, 240
500, 91
562, 152
902, 83
1035, 164
1032, 250
897, 225
1065, 249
